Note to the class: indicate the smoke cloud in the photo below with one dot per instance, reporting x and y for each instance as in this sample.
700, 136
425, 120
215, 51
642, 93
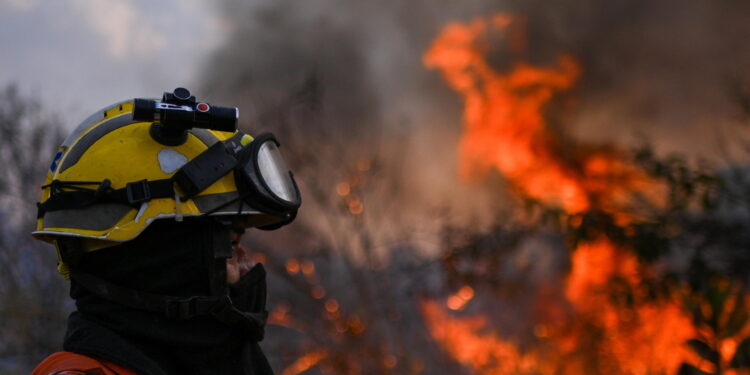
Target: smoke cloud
342, 82
664, 69
668, 64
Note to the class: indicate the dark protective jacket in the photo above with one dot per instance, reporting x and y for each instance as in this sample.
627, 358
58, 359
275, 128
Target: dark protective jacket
168, 258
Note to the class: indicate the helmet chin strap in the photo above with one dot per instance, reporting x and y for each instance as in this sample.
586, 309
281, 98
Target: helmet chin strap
220, 249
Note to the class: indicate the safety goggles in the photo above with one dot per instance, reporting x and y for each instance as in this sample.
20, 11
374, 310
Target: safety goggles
263, 180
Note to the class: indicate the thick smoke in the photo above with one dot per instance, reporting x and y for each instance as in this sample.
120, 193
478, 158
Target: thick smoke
343, 85
669, 64
666, 69
344, 80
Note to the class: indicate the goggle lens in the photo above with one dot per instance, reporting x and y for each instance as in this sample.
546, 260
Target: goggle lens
275, 173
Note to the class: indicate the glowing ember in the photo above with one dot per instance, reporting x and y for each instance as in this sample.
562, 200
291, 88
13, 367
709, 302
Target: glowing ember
343, 189
292, 266
332, 305
363, 165
318, 292
461, 298
280, 316
355, 206
308, 268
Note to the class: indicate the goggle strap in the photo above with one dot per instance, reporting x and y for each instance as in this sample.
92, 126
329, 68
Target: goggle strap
242, 205
234, 143
205, 169
177, 208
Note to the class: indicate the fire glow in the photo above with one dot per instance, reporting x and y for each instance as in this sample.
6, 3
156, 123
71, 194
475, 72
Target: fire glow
505, 129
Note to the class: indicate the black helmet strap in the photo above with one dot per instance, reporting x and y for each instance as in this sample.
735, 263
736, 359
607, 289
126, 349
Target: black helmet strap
65, 195
220, 249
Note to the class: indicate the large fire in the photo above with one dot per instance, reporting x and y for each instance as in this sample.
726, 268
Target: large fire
505, 128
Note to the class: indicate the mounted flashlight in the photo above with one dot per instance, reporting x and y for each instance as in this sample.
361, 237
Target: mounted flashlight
177, 112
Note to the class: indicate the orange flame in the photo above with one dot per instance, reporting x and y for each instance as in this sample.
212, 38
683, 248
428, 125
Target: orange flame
505, 128
503, 114
640, 339
305, 362
468, 341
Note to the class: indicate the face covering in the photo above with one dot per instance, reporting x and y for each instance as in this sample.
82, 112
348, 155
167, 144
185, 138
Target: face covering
179, 261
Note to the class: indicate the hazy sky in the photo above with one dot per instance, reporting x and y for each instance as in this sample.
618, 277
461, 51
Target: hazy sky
81, 55
651, 70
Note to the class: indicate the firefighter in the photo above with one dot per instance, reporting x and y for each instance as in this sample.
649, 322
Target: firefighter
146, 203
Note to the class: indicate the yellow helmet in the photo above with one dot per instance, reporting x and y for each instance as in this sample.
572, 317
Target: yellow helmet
143, 160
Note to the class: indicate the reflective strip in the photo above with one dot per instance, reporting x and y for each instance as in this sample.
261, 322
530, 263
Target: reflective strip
204, 136
97, 217
93, 119
94, 135
105, 216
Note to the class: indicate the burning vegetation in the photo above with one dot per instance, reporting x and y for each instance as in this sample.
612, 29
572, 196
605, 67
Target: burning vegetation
615, 318
599, 260
605, 262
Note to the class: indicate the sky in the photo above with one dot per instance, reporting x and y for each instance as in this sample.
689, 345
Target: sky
78, 56
652, 69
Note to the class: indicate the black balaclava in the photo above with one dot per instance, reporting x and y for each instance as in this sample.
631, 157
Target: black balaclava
168, 258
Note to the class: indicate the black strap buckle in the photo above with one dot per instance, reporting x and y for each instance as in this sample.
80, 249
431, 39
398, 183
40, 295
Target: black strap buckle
104, 187
181, 309
138, 192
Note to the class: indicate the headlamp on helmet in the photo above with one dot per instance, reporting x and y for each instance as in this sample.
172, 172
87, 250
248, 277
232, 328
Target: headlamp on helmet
178, 112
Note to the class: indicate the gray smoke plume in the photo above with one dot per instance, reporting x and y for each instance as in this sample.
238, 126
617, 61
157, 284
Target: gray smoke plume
666, 69
346, 79
342, 84
667, 62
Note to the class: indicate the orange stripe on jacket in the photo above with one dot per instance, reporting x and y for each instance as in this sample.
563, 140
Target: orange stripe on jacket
67, 363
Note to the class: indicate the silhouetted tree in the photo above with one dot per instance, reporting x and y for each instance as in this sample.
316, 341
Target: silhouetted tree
32, 294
